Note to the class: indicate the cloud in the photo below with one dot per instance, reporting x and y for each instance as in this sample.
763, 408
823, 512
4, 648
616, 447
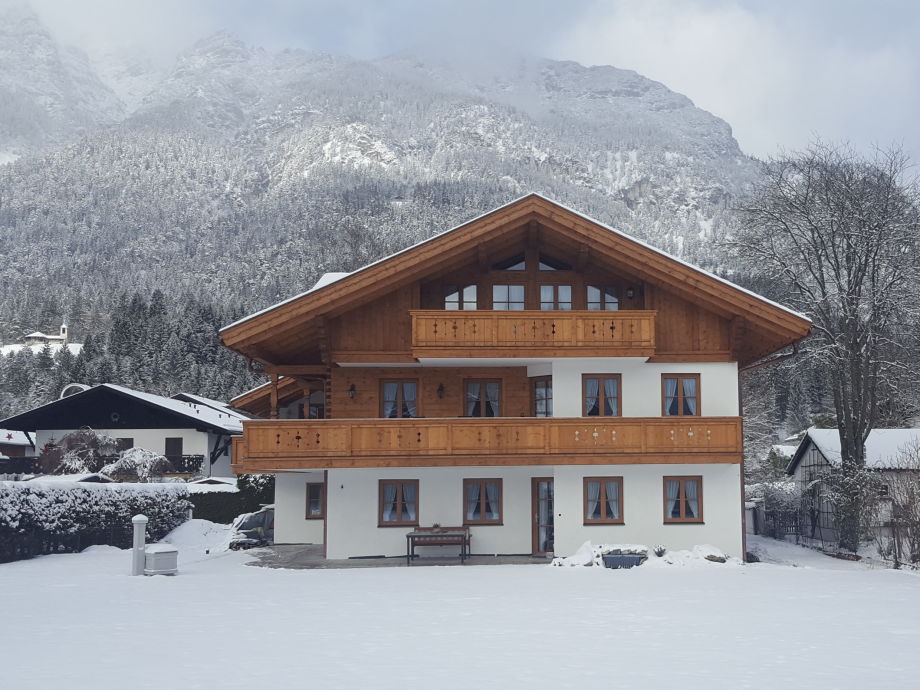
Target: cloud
778, 77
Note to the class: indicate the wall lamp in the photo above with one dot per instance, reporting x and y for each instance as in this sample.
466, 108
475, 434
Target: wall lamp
352, 391
630, 292
440, 390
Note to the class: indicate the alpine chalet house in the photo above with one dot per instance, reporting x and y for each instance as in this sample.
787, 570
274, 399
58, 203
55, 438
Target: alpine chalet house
532, 375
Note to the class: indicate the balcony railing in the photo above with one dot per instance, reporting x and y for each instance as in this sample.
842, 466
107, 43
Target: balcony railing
298, 444
438, 333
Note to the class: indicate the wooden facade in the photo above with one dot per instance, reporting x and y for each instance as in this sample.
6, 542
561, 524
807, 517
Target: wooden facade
532, 282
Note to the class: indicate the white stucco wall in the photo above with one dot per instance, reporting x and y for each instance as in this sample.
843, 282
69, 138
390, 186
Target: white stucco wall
353, 497
291, 523
193, 442
641, 382
643, 507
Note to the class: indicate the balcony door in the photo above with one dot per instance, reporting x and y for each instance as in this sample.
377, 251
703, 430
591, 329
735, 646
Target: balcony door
542, 512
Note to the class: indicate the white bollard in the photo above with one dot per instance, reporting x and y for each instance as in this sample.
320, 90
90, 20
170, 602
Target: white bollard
140, 535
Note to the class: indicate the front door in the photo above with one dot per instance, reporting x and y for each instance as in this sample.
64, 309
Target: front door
542, 509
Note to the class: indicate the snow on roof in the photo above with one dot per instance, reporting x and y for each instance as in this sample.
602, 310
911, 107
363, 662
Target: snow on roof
88, 477
320, 283
783, 451
882, 447
201, 413
8, 437
215, 404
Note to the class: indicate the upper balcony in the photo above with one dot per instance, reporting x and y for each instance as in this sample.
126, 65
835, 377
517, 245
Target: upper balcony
439, 333
269, 445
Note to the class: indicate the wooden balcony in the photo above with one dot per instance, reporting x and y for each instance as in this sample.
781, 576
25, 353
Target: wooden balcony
271, 445
439, 333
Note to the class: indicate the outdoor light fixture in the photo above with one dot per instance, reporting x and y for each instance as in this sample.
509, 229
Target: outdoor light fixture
630, 293
440, 390
351, 391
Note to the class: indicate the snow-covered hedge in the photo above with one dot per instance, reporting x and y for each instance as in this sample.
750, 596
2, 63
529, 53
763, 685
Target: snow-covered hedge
43, 517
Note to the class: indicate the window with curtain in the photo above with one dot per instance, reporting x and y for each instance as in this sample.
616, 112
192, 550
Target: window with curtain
398, 502
680, 395
457, 297
316, 505
603, 500
398, 399
508, 297
482, 501
483, 398
602, 395
602, 298
556, 297
543, 396
683, 499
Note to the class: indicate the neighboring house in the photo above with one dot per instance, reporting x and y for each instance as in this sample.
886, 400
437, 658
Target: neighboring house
193, 437
532, 374
819, 453
37, 341
14, 443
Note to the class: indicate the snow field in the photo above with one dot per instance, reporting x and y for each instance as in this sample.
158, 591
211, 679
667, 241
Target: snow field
80, 620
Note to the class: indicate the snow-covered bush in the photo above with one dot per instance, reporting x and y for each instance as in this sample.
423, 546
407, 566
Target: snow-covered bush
137, 463
781, 501
38, 518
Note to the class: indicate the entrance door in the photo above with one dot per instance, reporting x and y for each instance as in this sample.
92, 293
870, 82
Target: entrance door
542, 509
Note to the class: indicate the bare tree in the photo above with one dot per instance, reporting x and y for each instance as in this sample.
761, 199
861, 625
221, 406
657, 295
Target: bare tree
838, 235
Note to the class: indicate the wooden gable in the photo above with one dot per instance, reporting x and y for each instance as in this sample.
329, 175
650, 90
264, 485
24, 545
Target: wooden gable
367, 313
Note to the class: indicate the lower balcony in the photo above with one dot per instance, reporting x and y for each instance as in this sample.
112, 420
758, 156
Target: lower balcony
272, 445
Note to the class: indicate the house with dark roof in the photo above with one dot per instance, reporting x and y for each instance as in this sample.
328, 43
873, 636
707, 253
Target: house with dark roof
193, 436
532, 378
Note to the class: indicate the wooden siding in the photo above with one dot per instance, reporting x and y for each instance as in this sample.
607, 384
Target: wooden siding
301, 444
439, 333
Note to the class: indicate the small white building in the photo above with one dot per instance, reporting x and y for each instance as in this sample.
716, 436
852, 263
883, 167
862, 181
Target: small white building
188, 434
37, 341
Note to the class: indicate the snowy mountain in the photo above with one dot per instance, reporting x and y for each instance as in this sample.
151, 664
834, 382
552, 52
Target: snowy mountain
239, 175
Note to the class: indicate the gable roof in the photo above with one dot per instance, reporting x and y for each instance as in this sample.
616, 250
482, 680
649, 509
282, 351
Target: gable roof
210, 402
883, 446
773, 326
91, 408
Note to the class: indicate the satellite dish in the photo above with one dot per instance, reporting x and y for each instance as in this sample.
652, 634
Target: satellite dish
73, 388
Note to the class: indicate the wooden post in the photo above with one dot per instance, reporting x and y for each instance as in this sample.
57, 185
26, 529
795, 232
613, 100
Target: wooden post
274, 397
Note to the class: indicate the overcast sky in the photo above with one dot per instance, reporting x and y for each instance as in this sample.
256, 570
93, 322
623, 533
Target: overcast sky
778, 71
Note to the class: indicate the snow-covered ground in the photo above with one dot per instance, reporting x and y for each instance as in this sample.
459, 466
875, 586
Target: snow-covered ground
79, 621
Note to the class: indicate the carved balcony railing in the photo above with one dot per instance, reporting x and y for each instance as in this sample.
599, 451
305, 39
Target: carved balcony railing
439, 333
325, 443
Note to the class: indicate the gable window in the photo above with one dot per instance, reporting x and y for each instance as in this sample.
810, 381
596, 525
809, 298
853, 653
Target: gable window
600, 298
399, 399
603, 498
457, 297
482, 501
554, 297
683, 499
548, 263
543, 396
398, 502
602, 395
508, 297
483, 398
681, 395
316, 501
515, 263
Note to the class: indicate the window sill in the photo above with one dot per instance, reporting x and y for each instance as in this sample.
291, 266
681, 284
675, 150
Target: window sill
588, 523
397, 524
315, 517
684, 522
484, 523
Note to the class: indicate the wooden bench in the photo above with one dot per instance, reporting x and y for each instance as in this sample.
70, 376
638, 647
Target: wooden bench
438, 536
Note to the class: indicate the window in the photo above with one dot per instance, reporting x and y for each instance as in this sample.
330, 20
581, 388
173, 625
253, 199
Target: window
515, 263
398, 502
459, 297
123, 444
483, 399
602, 395
602, 298
603, 500
543, 396
683, 499
681, 394
173, 447
556, 297
316, 501
508, 297
482, 501
399, 399
548, 263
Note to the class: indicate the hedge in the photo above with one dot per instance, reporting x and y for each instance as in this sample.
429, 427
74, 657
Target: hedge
42, 517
